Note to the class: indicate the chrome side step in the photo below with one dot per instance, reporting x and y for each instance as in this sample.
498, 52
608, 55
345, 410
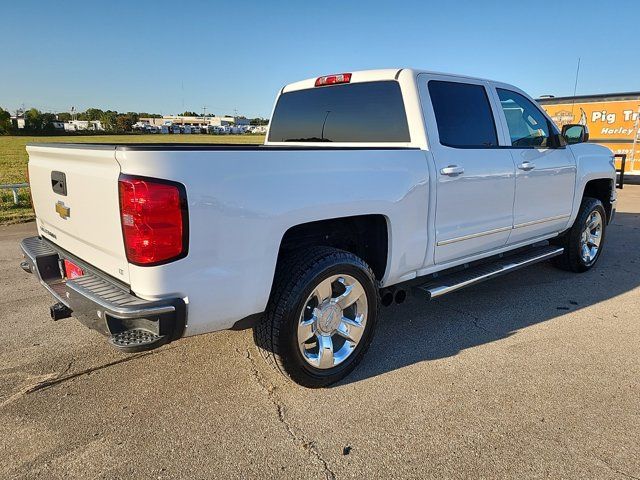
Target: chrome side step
455, 281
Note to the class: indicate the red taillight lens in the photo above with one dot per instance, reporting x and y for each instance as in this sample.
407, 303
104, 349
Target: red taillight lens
71, 270
333, 79
153, 215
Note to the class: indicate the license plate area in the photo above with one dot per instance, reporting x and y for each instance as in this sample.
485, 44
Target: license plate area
71, 270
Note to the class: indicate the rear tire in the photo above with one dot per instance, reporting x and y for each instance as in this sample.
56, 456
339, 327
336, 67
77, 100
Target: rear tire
311, 287
583, 242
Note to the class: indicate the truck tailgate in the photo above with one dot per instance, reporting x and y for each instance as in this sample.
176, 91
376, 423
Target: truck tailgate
75, 198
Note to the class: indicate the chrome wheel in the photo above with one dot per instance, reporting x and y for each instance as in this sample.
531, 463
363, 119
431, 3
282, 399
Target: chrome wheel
332, 321
591, 237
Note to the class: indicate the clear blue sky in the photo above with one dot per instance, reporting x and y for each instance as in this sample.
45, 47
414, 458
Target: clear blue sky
164, 57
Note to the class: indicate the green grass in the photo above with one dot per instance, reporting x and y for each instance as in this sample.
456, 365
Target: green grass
13, 161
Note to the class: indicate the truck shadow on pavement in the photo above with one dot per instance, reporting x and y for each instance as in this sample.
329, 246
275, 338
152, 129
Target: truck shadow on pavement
419, 330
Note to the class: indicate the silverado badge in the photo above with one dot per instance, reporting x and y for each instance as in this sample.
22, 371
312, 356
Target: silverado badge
64, 212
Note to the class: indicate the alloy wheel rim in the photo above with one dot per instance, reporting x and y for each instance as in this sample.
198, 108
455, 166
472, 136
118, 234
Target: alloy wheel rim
591, 237
332, 321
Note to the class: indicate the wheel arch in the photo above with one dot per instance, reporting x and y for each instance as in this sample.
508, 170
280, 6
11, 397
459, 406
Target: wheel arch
367, 236
601, 189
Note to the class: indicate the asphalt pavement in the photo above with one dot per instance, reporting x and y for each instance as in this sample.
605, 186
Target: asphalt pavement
533, 375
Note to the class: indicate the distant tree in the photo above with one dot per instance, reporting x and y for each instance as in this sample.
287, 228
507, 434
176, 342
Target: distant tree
134, 116
47, 120
64, 116
109, 119
149, 115
5, 122
189, 114
259, 121
124, 122
33, 119
92, 114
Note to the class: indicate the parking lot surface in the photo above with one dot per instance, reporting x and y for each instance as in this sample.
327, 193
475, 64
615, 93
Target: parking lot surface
535, 374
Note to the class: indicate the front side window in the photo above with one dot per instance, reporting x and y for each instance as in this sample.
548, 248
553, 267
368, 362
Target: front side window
355, 112
528, 127
463, 115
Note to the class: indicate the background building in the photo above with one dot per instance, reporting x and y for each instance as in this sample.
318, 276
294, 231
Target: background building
214, 121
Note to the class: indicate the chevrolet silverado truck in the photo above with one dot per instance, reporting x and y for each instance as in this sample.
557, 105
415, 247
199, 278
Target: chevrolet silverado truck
369, 184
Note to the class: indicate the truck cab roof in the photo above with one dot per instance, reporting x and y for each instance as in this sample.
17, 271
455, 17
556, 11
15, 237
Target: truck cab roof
360, 76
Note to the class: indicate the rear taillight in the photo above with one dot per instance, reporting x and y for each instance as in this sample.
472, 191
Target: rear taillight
333, 79
154, 220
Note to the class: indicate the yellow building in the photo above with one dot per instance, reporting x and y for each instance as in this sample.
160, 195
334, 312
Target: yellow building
612, 119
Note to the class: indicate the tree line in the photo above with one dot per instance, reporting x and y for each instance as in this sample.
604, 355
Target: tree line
36, 121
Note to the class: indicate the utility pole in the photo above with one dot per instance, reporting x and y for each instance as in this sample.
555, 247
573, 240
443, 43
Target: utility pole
204, 114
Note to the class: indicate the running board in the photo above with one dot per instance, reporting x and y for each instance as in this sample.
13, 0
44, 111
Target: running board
455, 281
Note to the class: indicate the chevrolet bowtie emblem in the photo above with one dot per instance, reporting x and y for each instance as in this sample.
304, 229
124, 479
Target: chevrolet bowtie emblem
64, 212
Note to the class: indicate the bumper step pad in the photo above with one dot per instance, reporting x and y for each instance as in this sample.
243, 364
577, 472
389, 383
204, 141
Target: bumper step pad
136, 340
131, 324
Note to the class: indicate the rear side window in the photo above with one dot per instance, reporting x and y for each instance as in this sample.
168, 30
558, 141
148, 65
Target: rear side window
463, 115
356, 112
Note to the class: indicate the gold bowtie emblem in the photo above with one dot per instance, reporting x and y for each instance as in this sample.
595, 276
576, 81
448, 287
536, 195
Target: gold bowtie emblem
64, 212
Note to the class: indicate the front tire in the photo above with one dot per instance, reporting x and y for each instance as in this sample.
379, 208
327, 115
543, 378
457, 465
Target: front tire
584, 241
321, 316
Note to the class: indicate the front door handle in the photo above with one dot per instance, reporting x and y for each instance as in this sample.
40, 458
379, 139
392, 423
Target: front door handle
452, 171
526, 166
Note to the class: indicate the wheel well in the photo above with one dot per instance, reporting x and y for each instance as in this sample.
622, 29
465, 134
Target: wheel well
600, 189
364, 235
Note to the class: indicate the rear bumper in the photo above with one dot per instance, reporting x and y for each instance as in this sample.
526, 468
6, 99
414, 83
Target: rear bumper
97, 301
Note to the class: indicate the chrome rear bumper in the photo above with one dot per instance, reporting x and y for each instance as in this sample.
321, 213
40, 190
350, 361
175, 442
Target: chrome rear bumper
97, 301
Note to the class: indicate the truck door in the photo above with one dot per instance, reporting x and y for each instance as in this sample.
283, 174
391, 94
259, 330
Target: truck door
545, 168
475, 178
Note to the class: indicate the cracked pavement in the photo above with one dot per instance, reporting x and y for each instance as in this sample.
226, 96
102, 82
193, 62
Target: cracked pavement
533, 375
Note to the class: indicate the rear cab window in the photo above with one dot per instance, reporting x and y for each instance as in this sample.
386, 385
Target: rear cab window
463, 115
366, 112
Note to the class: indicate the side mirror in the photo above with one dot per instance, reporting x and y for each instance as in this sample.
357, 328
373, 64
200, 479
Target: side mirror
574, 133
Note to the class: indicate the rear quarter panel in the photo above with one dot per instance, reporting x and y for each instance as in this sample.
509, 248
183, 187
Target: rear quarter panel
241, 203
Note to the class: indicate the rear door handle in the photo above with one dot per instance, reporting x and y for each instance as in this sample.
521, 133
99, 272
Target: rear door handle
452, 171
526, 166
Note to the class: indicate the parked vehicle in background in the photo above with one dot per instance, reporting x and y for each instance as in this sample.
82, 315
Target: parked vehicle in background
368, 184
257, 129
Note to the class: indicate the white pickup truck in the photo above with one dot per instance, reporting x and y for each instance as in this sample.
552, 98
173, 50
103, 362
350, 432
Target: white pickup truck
369, 183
